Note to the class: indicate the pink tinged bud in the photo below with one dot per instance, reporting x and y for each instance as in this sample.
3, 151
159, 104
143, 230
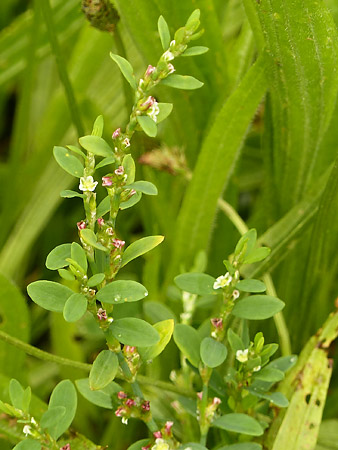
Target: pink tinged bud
216, 401
120, 411
200, 395
171, 68
110, 231
66, 447
81, 225
132, 192
217, 323
101, 314
117, 133
157, 435
130, 402
100, 222
149, 102
121, 395
119, 170
118, 243
107, 181
129, 348
145, 406
150, 70
147, 447
126, 142
168, 426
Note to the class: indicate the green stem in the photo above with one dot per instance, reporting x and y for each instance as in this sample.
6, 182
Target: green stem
61, 65
203, 420
282, 330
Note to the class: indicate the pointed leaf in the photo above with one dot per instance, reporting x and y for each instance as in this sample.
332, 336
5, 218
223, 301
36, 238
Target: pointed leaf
140, 247
98, 126
70, 194
68, 162
257, 255
77, 151
213, 353
194, 51
96, 145
126, 69
122, 291
16, 393
49, 295
105, 162
235, 341
239, 423
131, 201
135, 332
188, 341
257, 307
164, 32
182, 82
103, 370
148, 125
75, 307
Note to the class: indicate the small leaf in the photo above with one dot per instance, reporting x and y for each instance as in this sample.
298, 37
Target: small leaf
26, 399
98, 126
257, 307
257, 255
16, 393
96, 279
135, 332
277, 398
90, 238
131, 201
56, 259
140, 247
143, 186
269, 374
75, 307
102, 397
64, 394
148, 125
77, 151
235, 341
68, 162
284, 363
103, 370
188, 341
49, 295
164, 32
165, 111
128, 164
194, 51
70, 194
28, 444
196, 283
213, 353
157, 311
52, 415
139, 444
251, 286
182, 82
126, 69
239, 423
105, 162
122, 291
103, 207
79, 255
165, 330
249, 240
96, 145
242, 446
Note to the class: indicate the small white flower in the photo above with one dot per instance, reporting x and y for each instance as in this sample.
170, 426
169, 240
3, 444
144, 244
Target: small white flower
223, 281
125, 420
87, 184
153, 111
160, 444
242, 355
168, 56
27, 430
172, 43
126, 142
33, 421
235, 294
257, 369
171, 68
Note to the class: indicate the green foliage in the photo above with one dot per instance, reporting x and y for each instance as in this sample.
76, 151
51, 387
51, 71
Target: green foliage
239, 423
104, 370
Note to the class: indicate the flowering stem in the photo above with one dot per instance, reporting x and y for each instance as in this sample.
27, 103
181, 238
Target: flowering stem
282, 330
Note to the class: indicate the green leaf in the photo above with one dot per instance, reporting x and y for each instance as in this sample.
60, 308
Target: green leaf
277, 398
49, 295
140, 247
192, 446
77, 151
103, 207
284, 363
269, 374
136, 332
122, 291
98, 126
239, 423
28, 444
242, 446
96, 279
235, 341
251, 286
182, 82
213, 353
257, 307
247, 242
165, 330
26, 399
156, 311
165, 111
64, 394
96, 145
75, 307
194, 51
79, 255
188, 341
104, 370
70, 194
90, 238
68, 162
257, 255
131, 201
105, 162
56, 259
148, 125
102, 398
128, 164
126, 69
164, 32
139, 444
16, 393
143, 186
52, 415
196, 283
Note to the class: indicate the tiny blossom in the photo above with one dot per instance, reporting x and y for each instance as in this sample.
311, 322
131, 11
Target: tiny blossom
235, 294
107, 181
146, 405
150, 69
121, 395
173, 376
27, 430
130, 349
120, 411
110, 320
223, 281
171, 68
102, 314
242, 355
157, 434
100, 222
33, 421
154, 111
217, 322
125, 420
147, 447
66, 447
126, 142
110, 231
216, 401
149, 102
199, 395
132, 192
168, 425
119, 170
81, 225
87, 184
117, 133
257, 368
168, 56
130, 402
160, 444
118, 243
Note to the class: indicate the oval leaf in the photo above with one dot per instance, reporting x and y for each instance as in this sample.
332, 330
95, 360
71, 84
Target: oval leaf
182, 82
104, 370
105, 162
56, 259
235, 341
139, 444
188, 341
165, 330
79, 255
75, 307
68, 162
163, 31
143, 186
136, 332
251, 286
16, 393
242, 446
52, 415
165, 111
126, 69
96, 279
213, 353
269, 374
96, 145
121, 291
148, 125
196, 283
131, 201
49, 295
90, 238
64, 394
194, 51
128, 164
140, 247
28, 444
239, 423
70, 194
257, 255
102, 398
98, 126
257, 307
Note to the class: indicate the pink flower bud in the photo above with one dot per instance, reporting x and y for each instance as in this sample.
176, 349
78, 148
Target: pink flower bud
217, 322
150, 70
216, 401
126, 142
81, 225
149, 102
171, 68
157, 435
100, 222
130, 402
117, 133
120, 411
110, 231
101, 314
118, 243
146, 405
129, 349
119, 170
168, 425
147, 447
199, 395
121, 395
132, 192
66, 447
107, 181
